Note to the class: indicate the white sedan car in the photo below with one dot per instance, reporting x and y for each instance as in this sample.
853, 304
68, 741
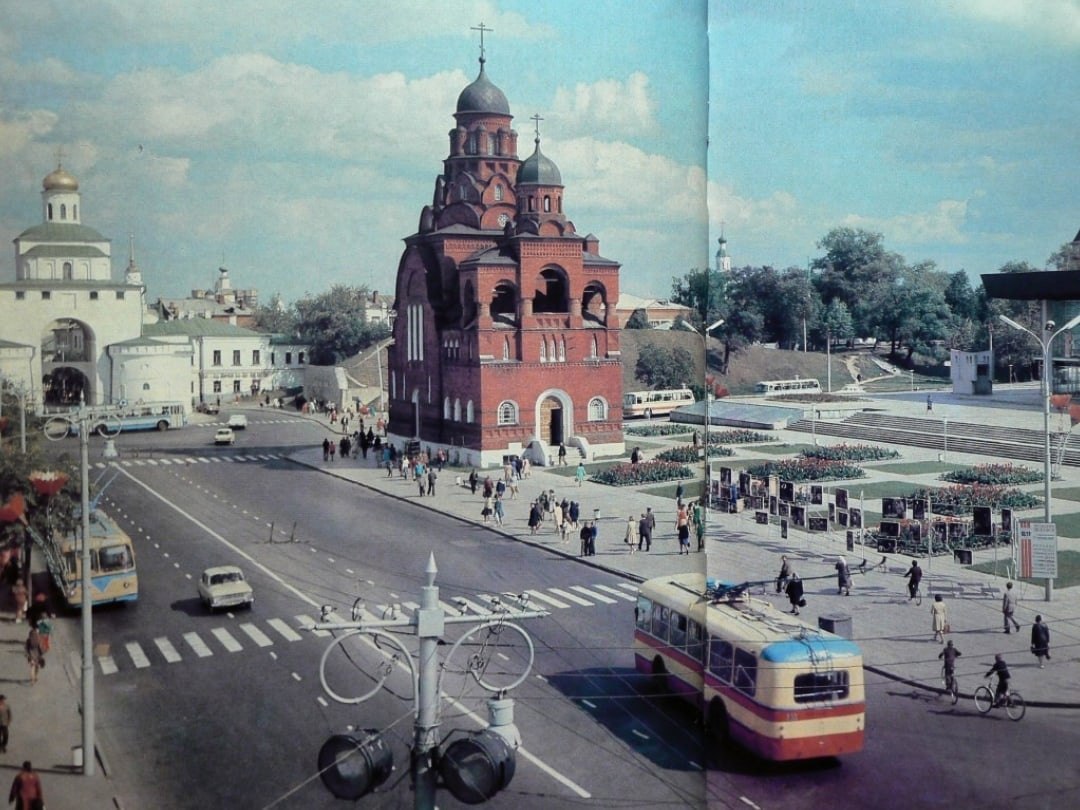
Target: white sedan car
224, 436
224, 586
238, 421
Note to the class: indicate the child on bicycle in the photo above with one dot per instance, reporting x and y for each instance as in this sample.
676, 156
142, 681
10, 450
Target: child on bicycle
1001, 669
949, 654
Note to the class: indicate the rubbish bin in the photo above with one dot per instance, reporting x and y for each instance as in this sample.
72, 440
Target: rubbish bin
76, 756
962, 556
836, 623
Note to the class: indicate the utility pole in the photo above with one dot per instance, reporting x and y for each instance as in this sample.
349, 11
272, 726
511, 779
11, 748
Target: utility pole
474, 768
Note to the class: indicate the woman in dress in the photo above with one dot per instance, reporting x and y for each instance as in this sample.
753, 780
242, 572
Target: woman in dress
938, 618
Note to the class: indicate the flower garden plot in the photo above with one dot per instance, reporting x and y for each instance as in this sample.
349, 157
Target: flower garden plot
918, 467
994, 475
781, 449
958, 499
851, 452
628, 475
801, 470
688, 454
666, 429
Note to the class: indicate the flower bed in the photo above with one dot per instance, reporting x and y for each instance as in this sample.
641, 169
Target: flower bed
738, 437
959, 499
993, 474
851, 452
807, 469
646, 472
688, 454
666, 429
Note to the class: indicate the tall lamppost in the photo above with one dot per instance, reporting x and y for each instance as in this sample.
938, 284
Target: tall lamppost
1046, 340
708, 422
59, 427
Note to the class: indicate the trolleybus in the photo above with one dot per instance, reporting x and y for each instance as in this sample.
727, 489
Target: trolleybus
779, 388
656, 403
113, 577
776, 685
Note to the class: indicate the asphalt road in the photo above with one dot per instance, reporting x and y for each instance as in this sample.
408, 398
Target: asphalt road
198, 710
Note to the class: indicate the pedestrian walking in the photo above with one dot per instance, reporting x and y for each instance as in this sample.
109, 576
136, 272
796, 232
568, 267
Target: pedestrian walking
579, 473
644, 533
20, 594
497, 509
5, 723
585, 535
784, 575
929, 404
562, 454
325, 449
594, 535
697, 517
1040, 641
682, 529
631, 538
421, 483
843, 576
914, 577
35, 656
679, 489
432, 477
795, 593
939, 618
534, 517
333, 449
488, 509
26, 789
575, 513
474, 479
1009, 600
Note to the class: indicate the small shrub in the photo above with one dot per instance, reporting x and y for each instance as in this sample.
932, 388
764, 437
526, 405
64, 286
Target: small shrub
993, 474
646, 472
851, 452
807, 469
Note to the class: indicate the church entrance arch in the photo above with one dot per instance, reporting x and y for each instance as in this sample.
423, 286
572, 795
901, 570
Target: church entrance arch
554, 410
67, 362
66, 386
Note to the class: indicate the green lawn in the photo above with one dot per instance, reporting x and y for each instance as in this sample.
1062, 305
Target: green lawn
1067, 493
691, 490
1068, 569
1067, 525
776, 449
919, 467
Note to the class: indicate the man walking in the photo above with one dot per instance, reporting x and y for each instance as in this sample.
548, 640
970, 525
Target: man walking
644, 533
1040, 643
5, 722
914, 577
26, 789
1008, 607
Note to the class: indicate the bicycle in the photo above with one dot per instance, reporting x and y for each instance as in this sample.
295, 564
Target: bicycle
952, 686
1013, 702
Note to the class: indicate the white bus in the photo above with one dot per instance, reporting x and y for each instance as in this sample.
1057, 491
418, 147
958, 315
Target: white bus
138, 416
777, 388
656, 403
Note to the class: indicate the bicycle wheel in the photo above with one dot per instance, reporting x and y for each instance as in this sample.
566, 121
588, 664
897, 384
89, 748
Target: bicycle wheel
1014, 706
953, 688
984, 699
918, 597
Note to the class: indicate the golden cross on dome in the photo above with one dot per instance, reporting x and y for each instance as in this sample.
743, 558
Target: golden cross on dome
537, 119
482, 28
59, 156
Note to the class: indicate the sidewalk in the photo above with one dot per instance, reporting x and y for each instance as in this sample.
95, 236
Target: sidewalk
895, 635
46, 724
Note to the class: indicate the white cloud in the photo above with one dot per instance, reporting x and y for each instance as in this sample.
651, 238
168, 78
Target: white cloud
1055, 20
944, 223
607, 107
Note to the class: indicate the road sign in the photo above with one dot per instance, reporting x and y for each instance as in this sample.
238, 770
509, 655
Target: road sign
1038, 550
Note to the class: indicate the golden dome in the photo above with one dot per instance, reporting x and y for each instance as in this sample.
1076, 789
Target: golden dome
59, 180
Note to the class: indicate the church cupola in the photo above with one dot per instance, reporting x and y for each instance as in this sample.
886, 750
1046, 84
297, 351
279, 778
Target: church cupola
539, 187
60, 196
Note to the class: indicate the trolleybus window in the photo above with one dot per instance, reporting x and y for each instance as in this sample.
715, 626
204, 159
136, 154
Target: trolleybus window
695, 641
643, 613
678, 630
721, 658
660, 620
745, 672
815, 686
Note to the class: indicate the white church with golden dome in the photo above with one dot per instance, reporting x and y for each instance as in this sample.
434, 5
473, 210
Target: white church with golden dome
67, 328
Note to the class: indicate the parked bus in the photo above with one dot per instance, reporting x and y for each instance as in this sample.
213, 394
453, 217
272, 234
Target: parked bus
776, 388
140, 416
656, 403
776, 685
113, 577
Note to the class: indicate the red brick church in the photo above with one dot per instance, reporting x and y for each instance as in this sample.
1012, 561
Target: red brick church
506, 339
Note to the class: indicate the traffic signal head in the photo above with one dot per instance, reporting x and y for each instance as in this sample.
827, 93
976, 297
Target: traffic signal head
476, 767
354, 764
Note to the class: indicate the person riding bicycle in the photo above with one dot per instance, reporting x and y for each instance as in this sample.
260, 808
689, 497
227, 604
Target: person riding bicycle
1001, 669
914, 577
949, 654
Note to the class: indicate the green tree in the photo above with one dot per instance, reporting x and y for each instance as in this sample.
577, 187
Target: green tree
857, 269
658, 367
835, 323
637, 320
703, 292
334, 324
276, 317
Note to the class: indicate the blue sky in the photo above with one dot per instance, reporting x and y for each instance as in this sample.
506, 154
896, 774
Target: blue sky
297, 141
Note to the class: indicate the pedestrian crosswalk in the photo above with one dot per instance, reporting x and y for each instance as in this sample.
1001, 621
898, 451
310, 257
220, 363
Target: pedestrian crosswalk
256, 635
186, 461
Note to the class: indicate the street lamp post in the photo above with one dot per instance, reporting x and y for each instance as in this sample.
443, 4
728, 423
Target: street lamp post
708, 422
57, 428
1045, 341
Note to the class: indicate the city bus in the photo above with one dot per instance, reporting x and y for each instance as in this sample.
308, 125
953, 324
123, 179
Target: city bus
138, 416
776, 388
656, 403
764, 679
113, 576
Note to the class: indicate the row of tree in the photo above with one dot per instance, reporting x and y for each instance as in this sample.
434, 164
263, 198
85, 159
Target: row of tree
857, 288
334, 324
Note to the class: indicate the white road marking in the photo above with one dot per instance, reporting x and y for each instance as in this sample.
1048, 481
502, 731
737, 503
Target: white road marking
640, 734
307, 623
296, 677
138, 657
204, 460
607, 600
286, 632
567, 595
256, 635
745, 800
503, 657
166, 461
167, 649
108, 665
590, 705
227, 640
321, 701
629, 586
544, 598
450, 610
198, 645
618, 593
475, 608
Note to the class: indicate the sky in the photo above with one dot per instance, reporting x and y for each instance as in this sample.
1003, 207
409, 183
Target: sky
296, 142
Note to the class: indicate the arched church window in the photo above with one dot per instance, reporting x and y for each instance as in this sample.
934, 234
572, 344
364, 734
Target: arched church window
68, 275
74, 211
446, 408
146, 386
50, 211
562, 350
551, 293
457, 410
506, 348
543, 350
469, 412
593, 350
558, 204
498, 192
532, 203
63, 211
597, 409
508, 413
547, 203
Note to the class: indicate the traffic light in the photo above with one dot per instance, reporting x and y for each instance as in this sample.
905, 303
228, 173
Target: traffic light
354, 764
476, 767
